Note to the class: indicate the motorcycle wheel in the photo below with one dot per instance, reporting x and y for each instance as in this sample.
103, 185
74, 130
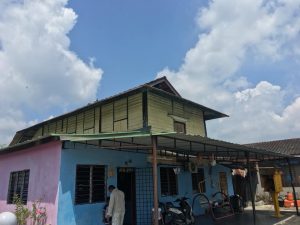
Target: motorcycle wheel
168, 219
191, 221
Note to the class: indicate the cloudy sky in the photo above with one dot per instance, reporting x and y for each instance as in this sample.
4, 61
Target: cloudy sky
240, 57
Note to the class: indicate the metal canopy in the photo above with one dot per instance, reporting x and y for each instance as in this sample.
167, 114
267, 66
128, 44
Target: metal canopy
171, 143
183, 146
167, 144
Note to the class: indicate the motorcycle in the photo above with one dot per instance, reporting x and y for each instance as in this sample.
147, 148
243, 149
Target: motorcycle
181, 215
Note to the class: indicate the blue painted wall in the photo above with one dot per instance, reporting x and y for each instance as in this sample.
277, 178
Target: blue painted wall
211, 183
87, 214
91, 214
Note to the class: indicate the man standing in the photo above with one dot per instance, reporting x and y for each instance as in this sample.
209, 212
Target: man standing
116, 207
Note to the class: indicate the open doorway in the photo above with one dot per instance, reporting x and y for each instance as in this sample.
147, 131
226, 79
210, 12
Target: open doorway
126, 183
223, 182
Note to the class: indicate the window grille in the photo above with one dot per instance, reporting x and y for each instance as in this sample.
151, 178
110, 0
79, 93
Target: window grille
90, 184
168, 181
144, 196
18, 186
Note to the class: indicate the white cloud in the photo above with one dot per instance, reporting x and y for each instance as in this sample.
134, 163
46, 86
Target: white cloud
231, 30
39, 72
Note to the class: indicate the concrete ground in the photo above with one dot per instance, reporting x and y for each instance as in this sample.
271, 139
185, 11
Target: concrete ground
264, 216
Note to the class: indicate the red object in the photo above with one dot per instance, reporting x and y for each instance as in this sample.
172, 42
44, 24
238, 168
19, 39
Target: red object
288, 203
290, 196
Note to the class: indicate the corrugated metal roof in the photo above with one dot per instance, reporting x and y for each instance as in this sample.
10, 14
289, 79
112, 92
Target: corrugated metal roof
286, 146
175, 142
182, 144
208, 112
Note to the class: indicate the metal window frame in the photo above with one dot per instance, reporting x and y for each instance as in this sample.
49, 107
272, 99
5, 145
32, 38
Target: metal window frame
21, 194
91, 172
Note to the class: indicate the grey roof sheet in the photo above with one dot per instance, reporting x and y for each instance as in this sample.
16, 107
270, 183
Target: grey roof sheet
286, 146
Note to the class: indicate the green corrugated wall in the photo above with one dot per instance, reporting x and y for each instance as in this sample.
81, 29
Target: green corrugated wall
121, 115
162, 110
127, 114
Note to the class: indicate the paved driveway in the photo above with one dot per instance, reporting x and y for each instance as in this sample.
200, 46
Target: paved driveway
262, 218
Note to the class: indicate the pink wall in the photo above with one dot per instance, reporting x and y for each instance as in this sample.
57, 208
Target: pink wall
43, 161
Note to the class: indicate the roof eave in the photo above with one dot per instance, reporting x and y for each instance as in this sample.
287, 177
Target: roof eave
208, 112
28, 144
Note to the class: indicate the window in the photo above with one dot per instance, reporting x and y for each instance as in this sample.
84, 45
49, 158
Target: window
179, 127
168, 181
198, 181
90, 184
18, 185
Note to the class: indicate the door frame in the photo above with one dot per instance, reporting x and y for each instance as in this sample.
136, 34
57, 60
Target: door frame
133, 191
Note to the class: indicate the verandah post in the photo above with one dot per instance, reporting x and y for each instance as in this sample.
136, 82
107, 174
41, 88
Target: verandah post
250, 186
292, 183
154, 168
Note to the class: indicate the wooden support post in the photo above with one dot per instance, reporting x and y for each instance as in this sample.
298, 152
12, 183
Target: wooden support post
250, 186
277, 189
154, 168
292, 183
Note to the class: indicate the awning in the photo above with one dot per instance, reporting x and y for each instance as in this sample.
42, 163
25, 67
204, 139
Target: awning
171, 143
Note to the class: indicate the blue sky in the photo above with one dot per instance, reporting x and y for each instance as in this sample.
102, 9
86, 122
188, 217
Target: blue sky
143, 37
133, 40
238, 57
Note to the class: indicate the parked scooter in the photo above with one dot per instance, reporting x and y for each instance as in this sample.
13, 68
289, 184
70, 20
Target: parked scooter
181, 215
